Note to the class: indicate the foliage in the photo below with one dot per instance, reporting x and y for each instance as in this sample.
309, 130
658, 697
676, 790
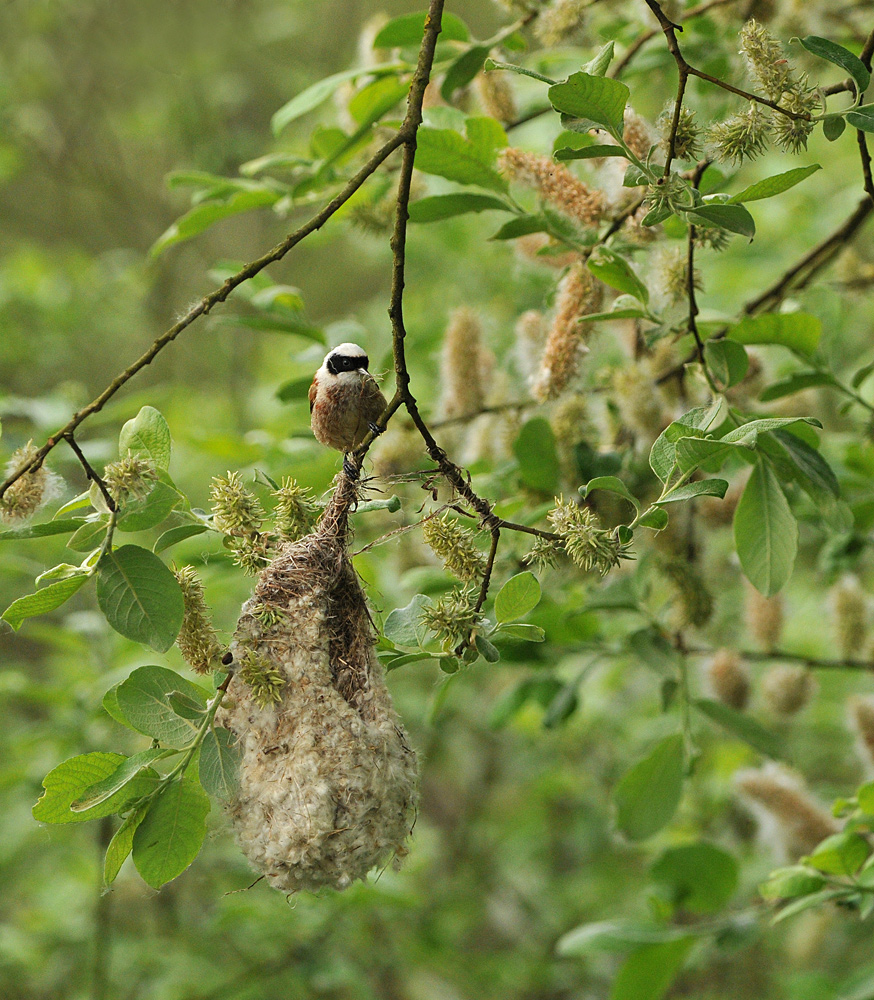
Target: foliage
551, 597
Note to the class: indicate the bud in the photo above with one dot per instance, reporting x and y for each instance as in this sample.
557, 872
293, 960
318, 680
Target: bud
779, 797
788, 689
455, 546
197, 639
295, 512
589, 545
578, 295
849, 607
452, 617
555, 184
764, 618
29, 492
729, 679
496, 96
464, 365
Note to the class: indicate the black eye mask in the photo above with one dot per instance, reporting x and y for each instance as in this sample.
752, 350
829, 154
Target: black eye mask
340, 363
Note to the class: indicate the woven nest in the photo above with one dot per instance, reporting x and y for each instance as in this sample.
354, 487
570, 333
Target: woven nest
327, 786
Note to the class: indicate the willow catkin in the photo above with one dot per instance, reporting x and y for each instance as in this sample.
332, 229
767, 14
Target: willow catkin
561, 21
496, 96
543, 249
861, 717
30, 491
464, 365
764, 618
555, 184
849, 607
640, 407
788, 689
729, 678
327, 787
780, 799
579, 294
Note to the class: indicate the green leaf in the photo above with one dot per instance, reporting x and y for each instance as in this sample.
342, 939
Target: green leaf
197, 219
734, 218
702, 488
519, 595
663, 453
777, 184
748, 434
44, 600
219, 762
463, 70
170, 836
837, 54
654, 651
148, 435
313, 96
142, 513
403, 625
615, 271
649, 972
791, 882
648, 795
598, 64
408, 29
701, 877
840, 854
68, 781
744, 727
374, 100
122, 842
89, 535
446, 206
612, 485
587, 152
126, 771
865, 123
615, 936
795, 383
178, 534
808, 902
519, 630
809, 468
798, 331
592, 98
487, 650
833, 127
140, 597
534, 449
765, 532
143, 701
727, 360
43, 530
110, 704
446, 153
523, 225
657, 519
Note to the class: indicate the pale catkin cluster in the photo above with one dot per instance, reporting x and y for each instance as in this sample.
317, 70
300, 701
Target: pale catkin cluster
579, 294
555, 184
455, 546
788, 689
764, 618
131, 476
639, 405
295, 512
29, 492
453, 617
327, 786
729, 679
496, 96
849, 607
465, 365
197, 639
530, 339
636, 134
561, 21
861, 717
589, 545
780, 799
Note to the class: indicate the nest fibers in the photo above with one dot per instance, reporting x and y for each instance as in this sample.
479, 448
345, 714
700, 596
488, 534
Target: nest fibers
327, 786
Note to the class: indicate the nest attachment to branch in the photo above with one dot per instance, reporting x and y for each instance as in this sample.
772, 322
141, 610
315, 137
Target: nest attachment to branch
327, 787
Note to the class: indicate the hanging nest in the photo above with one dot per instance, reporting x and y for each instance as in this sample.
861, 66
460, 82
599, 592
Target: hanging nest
327, 787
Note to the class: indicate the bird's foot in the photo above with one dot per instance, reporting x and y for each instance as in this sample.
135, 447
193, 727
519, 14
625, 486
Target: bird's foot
375, 429
350, 469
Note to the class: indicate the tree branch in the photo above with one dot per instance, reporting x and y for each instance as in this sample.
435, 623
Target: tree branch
814, 662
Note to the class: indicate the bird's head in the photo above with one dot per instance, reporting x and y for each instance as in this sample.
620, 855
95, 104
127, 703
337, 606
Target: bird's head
345, 359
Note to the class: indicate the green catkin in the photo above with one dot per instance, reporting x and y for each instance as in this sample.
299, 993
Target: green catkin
743, 136
197, 639
295, 512
588, 545
265, 680
687, 138
456, 547
453, 616
130, 476
236, 510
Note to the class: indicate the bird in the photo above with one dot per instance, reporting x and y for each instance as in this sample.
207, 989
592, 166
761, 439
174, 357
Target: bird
345, 400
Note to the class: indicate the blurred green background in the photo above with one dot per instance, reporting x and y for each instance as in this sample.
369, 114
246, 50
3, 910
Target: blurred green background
514, 845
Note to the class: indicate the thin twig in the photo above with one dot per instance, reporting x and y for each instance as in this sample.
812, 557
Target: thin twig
90, 473
490, 565
814, 662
